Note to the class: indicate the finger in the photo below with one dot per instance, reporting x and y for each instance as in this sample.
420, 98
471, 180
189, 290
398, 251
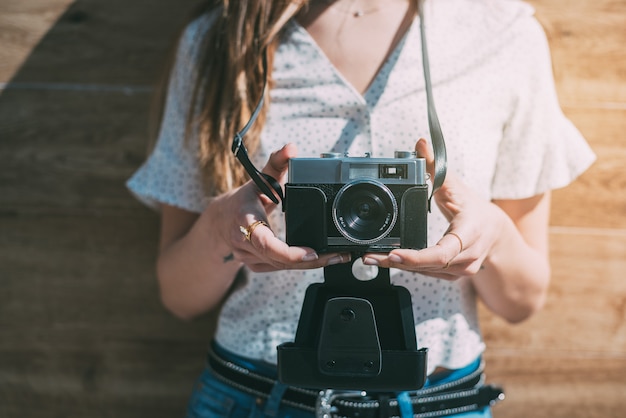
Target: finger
279, 161
266, 244
277, 253
452, 236
442, 255
436, 257
328, 259
424, 150
443, 276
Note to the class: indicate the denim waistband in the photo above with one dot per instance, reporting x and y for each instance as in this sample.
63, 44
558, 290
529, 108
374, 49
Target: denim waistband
258, 366
452, 375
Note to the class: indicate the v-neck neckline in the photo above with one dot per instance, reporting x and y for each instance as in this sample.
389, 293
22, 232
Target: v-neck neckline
368, 96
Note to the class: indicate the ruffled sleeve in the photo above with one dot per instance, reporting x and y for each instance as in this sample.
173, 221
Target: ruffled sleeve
541, 149
172, 174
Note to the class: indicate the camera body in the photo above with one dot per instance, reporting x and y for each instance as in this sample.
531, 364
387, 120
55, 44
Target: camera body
357, 204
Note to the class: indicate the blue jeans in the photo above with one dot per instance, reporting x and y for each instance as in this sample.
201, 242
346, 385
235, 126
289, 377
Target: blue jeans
211, 398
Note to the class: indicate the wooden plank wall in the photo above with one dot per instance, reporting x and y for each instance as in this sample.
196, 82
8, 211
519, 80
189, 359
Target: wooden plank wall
82, 332
570, 359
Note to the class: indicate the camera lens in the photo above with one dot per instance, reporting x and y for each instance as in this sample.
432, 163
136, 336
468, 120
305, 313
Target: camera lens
364, 211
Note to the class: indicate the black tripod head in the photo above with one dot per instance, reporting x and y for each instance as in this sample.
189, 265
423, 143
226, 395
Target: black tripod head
354, 335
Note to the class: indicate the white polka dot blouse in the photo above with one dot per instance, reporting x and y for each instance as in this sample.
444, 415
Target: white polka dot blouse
505, 134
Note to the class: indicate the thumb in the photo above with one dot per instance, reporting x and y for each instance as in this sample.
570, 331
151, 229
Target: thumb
279, 161
453, 192
423, 149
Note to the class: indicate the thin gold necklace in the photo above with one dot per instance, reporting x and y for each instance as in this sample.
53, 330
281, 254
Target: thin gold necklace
350, 10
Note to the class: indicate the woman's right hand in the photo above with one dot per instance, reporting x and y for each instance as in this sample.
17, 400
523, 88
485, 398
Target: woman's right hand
263, 251
200, 255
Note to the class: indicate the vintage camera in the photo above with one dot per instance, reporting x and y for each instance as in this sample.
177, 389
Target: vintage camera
338, 203
355, 334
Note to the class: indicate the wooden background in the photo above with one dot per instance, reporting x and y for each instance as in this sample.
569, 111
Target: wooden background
82, 333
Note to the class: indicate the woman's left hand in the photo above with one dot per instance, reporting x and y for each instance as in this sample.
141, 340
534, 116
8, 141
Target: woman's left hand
474, 228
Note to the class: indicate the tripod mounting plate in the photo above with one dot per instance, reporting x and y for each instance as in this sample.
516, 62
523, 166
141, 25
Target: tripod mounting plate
364, 341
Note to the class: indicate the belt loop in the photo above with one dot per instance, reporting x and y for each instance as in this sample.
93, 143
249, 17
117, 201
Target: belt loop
405, 405
273, 401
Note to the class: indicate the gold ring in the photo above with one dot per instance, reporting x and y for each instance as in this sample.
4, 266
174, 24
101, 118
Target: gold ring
460, 241
247, 231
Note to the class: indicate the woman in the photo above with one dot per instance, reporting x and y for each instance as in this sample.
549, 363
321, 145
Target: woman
345, 76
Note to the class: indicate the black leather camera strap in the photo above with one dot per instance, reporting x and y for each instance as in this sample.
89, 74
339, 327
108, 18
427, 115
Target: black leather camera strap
436, 135
271, 188
266, 183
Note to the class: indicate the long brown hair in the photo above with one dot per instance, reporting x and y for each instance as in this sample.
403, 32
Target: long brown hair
230, 83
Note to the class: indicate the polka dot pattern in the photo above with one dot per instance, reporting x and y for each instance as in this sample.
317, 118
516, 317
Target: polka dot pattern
504, 130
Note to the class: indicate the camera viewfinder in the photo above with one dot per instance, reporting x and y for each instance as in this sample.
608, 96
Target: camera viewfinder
393, 171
